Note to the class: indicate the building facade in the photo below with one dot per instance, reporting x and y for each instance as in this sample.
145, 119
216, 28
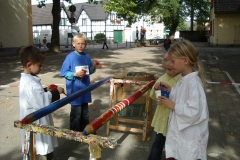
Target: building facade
225, 23
16, 23
90, 19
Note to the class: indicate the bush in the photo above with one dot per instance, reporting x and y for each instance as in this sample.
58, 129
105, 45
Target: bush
99, 37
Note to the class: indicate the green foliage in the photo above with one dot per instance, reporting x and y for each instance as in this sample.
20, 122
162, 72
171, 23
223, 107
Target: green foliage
41, 3
131, 10
171, 12
182, 26
99, 37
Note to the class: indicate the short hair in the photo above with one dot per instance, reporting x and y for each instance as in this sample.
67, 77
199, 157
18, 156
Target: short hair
80, 35
30, 54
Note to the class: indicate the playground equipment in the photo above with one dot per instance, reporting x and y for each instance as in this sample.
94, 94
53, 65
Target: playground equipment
94, 141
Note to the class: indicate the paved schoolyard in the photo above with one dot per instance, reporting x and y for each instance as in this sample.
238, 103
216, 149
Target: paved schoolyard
223, 104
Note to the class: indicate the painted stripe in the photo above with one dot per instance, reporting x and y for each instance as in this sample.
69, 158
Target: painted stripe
216, 57
230, 78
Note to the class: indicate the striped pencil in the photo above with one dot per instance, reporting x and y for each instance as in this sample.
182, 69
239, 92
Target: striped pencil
100, 121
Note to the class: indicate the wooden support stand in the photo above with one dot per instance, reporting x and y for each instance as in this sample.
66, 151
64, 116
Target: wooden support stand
32, 145
145, 123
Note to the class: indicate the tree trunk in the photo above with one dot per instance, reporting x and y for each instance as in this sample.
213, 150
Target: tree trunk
173, 28
56, 13
192, 15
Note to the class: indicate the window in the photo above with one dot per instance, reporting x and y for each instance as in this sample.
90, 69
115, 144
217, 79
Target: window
85, 33
84, 22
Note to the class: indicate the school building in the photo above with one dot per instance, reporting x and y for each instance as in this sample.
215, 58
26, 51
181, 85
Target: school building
225, 23
15, 23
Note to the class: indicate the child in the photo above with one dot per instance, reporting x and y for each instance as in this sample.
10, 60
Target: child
187, 134
32, 97
160, 118
76, 69
167, 43
105, 42
44, 42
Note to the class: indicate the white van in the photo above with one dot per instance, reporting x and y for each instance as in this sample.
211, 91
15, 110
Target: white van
64, 37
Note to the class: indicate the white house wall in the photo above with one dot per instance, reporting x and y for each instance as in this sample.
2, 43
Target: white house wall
104, 26
91, 28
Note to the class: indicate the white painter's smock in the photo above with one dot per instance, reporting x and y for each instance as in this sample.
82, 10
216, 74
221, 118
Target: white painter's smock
187, 135
32, 97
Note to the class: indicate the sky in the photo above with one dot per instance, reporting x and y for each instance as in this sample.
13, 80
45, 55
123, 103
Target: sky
34, 2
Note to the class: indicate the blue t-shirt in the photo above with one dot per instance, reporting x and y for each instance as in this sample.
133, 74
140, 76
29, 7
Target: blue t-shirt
74, 62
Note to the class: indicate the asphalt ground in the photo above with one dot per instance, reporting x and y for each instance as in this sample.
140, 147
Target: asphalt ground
220, 64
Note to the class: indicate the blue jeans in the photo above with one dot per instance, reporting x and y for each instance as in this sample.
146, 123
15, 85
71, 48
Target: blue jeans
79, 117
157, 147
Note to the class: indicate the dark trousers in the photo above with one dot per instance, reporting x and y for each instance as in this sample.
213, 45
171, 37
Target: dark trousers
79, 117
104, 44
157, 147
49, 156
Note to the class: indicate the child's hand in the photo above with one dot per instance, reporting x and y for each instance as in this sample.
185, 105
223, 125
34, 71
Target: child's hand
97, 63
165, 86
166, 102
61, 90
80, 74
157, 86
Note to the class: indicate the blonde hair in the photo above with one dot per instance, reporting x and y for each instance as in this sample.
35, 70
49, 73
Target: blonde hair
77, 36
186, 49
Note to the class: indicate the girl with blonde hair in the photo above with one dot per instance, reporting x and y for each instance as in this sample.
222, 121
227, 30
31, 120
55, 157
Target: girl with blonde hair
187, 134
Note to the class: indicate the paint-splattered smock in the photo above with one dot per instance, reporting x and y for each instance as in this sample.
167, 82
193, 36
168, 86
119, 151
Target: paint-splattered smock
32, 97
187, 135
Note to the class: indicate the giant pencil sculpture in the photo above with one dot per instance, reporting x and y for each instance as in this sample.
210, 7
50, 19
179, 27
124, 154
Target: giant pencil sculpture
98, 122
54, 106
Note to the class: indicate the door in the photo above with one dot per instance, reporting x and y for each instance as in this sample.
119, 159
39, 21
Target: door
118, 36
237, 35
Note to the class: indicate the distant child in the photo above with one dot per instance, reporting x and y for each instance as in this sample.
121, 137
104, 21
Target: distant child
32, 97
187, 135
44, 42
160, 118
76, 69
105, 42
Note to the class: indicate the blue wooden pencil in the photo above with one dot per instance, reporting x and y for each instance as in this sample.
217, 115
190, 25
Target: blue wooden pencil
54, 106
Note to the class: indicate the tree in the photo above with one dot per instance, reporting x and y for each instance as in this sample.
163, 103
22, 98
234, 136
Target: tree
99, 37
182, 26
56, 13
131, 10
197, 10
170, 12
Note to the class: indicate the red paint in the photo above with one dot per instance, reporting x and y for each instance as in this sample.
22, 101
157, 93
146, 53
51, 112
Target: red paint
25, 120
100, 121
53, 86
99, 64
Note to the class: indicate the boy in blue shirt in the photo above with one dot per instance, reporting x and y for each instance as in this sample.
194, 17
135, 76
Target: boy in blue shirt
76, 69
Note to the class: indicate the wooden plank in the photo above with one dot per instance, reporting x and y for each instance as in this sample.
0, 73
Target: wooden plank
128, 129
131, 121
